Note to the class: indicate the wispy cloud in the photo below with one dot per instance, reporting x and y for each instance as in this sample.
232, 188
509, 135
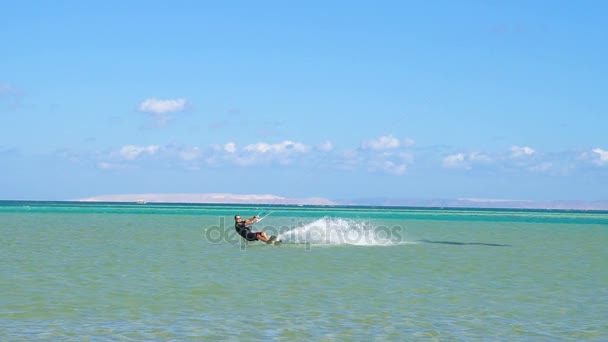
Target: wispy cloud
456, 161
112, 166
132, 152
524, 158
182, 152
70, 154
285, 152
386, 142
541, 167
480, 157
395, 163
230, 147
161, 110
348, 159
600, 156
284, 147
397, 169
386, 153
156, 106
133, 155
326, 146
517, 151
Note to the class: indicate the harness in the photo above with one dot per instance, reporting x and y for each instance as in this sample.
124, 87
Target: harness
241, 228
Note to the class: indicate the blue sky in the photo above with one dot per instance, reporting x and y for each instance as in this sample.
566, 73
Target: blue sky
338, 99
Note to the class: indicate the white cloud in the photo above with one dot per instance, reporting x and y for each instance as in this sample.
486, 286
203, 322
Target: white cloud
456, 161
390, 162
184, 156
386, 142
156, 106
194, 157
283, 152
601, 157
111, 166
326, 146
407, 142
480, 157
542, 167
347, 159
189, 154
245, 160
518, 158
517, 151
285, 147
324, 155
394, 168
131, 152
230, 147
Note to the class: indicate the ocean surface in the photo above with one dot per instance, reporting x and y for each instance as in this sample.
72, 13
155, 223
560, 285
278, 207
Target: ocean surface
169, 272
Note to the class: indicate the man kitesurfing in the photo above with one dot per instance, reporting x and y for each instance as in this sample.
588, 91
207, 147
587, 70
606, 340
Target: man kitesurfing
243, 227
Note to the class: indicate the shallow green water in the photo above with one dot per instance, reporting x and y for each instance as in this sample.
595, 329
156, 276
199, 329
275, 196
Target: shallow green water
179, 272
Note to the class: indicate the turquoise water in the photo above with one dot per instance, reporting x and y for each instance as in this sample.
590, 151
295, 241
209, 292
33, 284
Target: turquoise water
120, 272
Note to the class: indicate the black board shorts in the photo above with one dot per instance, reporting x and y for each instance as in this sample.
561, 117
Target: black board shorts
248, 235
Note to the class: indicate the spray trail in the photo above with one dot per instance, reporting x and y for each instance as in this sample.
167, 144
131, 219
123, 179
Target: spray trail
340, 231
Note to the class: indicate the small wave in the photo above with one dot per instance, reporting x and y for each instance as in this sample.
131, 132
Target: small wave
340, 231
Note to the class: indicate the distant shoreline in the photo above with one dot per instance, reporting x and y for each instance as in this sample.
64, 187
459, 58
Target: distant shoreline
227, 198
267, 199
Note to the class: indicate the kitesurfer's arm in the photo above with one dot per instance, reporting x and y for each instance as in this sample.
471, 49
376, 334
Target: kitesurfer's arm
251, 220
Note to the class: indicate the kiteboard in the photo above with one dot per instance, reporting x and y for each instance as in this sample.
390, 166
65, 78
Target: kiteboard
274, 240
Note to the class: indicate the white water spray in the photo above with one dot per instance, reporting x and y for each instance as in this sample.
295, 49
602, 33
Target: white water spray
340, 231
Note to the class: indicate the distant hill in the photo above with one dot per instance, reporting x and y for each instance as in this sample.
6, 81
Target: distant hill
378, 201
208, 198
482, 203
